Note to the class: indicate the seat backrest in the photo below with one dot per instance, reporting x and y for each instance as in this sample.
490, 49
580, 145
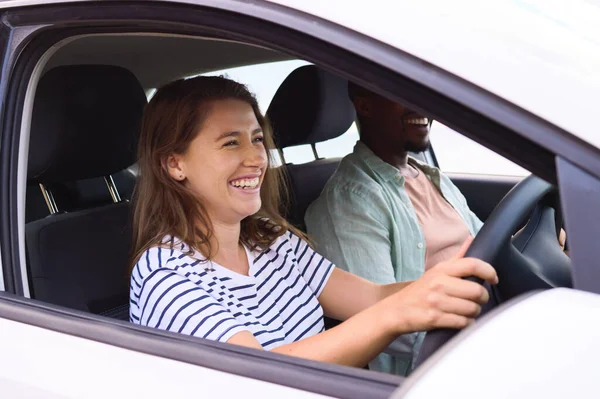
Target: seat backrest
88, 193
79, 259
78, 195
306, 181
310, 106
85, 125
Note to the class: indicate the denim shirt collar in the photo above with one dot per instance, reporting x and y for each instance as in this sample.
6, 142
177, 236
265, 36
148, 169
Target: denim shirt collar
388, 172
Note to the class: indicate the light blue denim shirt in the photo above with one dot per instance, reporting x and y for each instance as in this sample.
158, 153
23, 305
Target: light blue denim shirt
365, 223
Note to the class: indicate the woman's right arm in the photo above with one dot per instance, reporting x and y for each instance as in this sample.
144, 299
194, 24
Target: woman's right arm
354, 342
439, 299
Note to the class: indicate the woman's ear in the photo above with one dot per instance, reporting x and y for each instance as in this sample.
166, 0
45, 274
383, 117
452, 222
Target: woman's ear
175, 166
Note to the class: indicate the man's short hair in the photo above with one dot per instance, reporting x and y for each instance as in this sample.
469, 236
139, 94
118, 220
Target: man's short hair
355, 90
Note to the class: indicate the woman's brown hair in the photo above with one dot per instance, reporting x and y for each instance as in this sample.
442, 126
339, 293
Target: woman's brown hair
164, 207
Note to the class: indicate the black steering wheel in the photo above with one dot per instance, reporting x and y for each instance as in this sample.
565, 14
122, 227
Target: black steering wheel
530, 260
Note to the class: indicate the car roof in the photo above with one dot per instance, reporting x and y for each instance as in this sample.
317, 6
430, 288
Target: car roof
542, 55
144, 55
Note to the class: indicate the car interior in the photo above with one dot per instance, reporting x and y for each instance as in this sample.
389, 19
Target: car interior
82, 150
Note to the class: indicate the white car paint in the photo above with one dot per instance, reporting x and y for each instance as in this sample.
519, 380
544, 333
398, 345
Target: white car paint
543, 55
545, 346
483, 42
41, 363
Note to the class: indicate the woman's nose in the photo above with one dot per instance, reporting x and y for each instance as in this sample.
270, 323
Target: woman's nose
256, 156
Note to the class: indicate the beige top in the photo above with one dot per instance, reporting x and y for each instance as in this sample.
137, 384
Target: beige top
444, 230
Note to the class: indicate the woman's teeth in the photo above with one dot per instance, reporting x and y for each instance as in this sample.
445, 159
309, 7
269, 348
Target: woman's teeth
245, 183
417, 121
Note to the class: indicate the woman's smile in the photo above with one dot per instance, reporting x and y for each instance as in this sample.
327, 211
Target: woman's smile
247, 184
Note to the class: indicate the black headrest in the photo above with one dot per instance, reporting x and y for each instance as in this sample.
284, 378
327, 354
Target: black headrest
85, 123
310, 106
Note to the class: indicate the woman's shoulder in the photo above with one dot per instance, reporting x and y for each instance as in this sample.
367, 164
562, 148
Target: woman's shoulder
170, 253
290, 241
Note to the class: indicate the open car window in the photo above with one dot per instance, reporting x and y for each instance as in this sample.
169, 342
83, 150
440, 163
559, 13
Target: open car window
264, 80
456, 153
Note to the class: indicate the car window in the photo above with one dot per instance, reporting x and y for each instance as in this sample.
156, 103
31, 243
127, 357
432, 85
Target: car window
264, 80
339, 146
456, 153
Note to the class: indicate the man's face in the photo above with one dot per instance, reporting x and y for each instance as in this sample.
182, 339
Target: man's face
399, 127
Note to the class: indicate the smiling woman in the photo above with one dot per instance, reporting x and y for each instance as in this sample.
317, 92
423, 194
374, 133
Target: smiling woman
200, 172
223, 166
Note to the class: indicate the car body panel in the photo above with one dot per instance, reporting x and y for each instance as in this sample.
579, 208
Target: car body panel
46, 363
543, 345
485, 43
66, 364
510, 48
580, 196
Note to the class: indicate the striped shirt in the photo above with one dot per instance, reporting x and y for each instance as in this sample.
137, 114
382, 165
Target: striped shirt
276, 302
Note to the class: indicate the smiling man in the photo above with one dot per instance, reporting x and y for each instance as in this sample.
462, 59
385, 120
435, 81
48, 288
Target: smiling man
385, 216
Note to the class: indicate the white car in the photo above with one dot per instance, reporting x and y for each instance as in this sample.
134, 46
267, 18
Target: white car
521, 78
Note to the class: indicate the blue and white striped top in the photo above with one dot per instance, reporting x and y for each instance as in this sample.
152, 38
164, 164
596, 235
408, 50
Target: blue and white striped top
277, 301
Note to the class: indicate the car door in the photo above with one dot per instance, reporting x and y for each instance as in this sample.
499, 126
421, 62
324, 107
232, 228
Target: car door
51, 355
101, 353
52, 351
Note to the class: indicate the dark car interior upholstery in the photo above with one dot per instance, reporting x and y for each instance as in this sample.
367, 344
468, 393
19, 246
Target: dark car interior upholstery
143, 56
85, 125
146, 55
76, 195
310, 106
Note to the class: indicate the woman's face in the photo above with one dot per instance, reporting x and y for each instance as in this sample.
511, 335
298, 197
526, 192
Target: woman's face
225, 164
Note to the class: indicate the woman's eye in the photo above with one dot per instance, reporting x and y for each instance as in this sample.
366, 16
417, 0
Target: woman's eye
259, 139
230, 143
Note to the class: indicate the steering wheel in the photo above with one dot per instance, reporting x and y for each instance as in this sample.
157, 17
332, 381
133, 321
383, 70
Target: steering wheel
530, 260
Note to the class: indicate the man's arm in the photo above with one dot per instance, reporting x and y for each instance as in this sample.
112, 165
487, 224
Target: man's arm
351, 230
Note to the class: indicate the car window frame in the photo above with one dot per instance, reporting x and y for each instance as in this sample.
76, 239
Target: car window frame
579, 192
307, 375
310, 376
394, 73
